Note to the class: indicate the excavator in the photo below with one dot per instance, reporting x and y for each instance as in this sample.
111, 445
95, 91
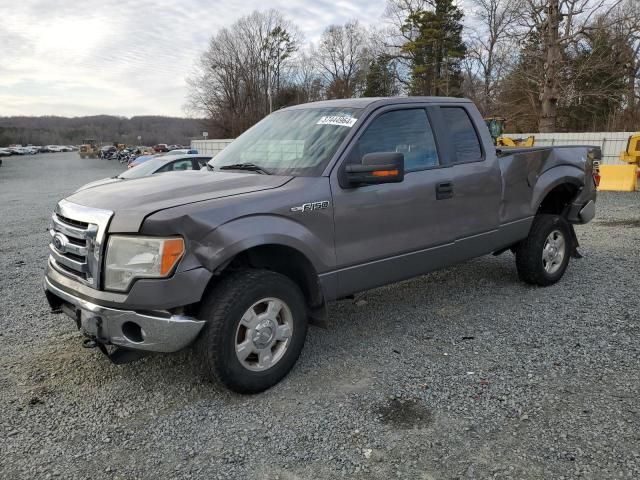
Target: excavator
496, 126
623, 178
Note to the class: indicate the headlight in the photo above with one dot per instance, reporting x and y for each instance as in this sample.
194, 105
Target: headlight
131, 257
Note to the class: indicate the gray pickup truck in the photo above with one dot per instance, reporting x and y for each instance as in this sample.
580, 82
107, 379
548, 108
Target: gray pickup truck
314, 203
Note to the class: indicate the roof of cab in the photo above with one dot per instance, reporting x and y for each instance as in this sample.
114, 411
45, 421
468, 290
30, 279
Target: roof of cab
365, 102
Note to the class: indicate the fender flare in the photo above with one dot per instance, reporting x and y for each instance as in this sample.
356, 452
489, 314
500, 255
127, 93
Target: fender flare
223, 243
552, 178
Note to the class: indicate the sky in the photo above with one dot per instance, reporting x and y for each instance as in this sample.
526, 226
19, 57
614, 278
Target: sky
128, 57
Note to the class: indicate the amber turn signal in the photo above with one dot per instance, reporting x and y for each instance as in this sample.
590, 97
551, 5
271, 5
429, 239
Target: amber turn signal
172, 251
385, 173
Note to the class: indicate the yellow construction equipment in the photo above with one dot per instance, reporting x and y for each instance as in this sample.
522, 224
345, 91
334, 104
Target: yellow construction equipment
515, 142
623, 178
632, 153
496, 127
619, 178
88, 149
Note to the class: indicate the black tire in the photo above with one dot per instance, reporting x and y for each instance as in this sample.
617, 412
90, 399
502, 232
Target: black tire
530, 260
223, 309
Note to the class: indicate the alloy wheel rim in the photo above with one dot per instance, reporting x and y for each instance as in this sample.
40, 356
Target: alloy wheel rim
264, 334
553, 252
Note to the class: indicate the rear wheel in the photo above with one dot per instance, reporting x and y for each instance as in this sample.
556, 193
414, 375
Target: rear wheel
543, 256
255, 331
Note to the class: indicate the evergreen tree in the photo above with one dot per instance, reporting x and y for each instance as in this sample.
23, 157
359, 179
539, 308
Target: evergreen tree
436, 49
381, 79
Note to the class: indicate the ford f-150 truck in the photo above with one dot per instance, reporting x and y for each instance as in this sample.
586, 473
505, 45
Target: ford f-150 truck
314, 203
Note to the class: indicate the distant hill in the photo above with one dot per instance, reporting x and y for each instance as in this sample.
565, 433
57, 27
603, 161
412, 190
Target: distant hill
104, 128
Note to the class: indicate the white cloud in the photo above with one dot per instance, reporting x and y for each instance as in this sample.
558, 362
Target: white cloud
131, 57
128, 57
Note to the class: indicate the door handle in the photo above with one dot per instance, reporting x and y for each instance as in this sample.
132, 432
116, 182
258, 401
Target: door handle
444, 190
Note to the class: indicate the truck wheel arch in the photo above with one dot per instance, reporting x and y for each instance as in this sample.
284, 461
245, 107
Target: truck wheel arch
282, 259
555, 189
558, 199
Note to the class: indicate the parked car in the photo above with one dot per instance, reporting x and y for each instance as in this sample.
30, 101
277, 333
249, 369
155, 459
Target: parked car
108, 152
163, 164
53, 148
5, 152
314, 203
140, 160
180, 151
144, 158
161, 147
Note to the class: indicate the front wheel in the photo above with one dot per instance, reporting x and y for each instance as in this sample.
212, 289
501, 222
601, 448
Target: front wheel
543, 256
255, 331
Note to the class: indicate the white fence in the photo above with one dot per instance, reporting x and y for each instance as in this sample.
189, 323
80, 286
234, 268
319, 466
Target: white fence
611, 143
210, 147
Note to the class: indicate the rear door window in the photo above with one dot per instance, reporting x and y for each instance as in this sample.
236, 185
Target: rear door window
201, 162
463, 135
182, 165
176, 166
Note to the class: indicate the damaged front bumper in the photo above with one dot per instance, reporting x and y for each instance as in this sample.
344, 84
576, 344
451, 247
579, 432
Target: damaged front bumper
157, 331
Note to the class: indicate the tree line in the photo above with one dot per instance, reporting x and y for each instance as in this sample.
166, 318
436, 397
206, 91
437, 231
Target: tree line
543, 65
51, 130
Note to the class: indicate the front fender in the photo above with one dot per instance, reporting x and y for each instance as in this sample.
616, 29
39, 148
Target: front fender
225, 242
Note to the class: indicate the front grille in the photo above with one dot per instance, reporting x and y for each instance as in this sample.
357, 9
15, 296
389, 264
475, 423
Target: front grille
73, 223
77, 233
73, 273
71, 242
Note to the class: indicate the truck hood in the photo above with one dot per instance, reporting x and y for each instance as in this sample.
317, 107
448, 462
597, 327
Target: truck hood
98, 183
133, 200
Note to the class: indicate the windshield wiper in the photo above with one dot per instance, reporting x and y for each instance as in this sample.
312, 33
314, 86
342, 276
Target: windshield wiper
252, 167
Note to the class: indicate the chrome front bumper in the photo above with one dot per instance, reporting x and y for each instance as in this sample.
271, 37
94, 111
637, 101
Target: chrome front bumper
127, 328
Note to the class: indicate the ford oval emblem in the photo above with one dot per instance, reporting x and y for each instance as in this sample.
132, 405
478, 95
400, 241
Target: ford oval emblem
60, 242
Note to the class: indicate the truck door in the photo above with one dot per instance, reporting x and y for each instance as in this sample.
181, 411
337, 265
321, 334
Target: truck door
475, 181
388, 232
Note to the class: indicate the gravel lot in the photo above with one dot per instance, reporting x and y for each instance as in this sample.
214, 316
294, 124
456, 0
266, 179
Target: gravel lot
464, 373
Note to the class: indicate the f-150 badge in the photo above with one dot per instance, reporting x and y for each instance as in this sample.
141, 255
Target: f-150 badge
308, 207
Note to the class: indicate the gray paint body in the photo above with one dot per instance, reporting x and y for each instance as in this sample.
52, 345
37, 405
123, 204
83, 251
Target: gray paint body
369, 236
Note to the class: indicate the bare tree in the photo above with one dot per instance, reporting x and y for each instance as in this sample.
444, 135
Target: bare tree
628, 28
306, 79
242, 71
341, 55
490, 47
557, 24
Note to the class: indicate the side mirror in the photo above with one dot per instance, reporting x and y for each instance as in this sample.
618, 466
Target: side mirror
376, 168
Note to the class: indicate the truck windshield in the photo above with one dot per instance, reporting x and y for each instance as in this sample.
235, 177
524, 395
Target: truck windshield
291, 142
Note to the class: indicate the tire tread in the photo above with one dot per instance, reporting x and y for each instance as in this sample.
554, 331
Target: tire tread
528, 262
216, 308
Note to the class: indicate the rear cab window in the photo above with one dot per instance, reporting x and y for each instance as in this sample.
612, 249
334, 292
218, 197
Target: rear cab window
463, 136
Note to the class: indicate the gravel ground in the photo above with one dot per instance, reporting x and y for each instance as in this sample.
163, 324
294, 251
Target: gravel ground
464, 373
